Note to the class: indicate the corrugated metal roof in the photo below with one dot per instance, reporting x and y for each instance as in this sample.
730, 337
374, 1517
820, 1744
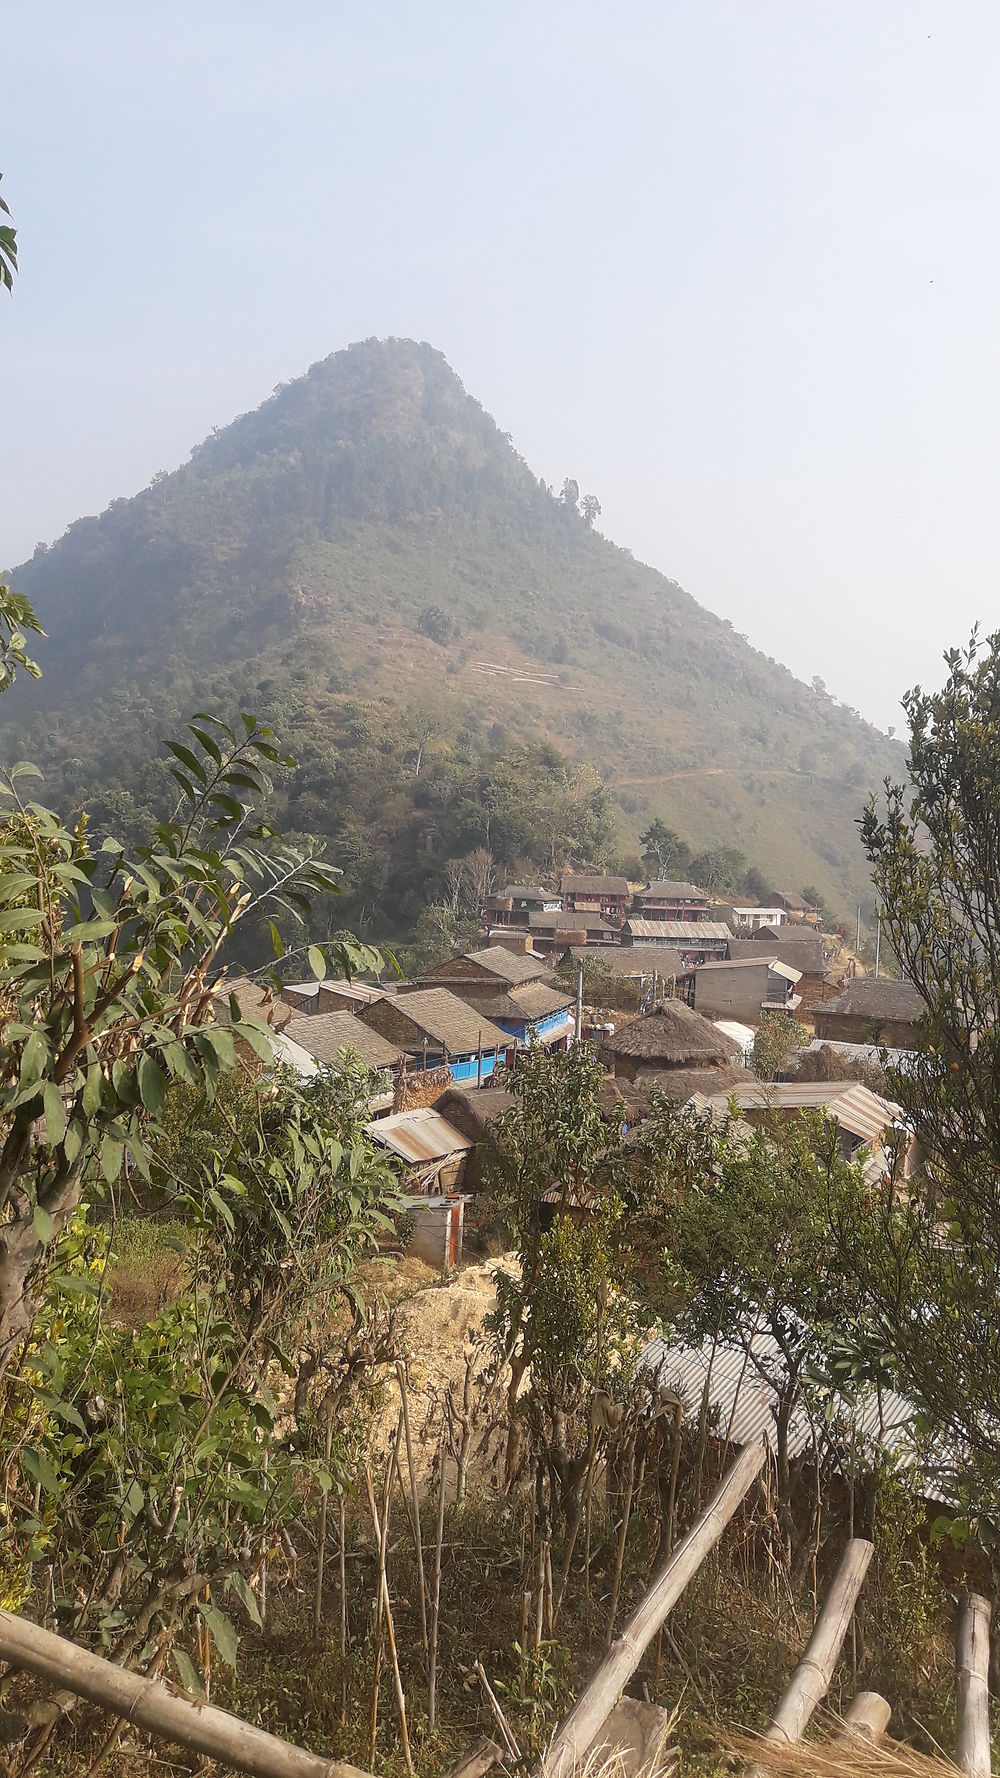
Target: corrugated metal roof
691, 931
419, 1136
742, 1400
865, 1114
742, 1034
860, 1052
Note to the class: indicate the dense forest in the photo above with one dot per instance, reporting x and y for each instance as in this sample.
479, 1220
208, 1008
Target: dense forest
367, 563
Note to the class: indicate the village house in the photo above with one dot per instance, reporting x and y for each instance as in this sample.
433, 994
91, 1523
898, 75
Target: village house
434, 1027
694, 941
535, 1013
865, 1119
668, 900
674, 1050
327, 1036
634, 963
797, 908
554, 934
512, 905
801, 947
742, 989
331, 996
256, 1000
430, 1157
749, 919
478, 976
607, 896
872, 1010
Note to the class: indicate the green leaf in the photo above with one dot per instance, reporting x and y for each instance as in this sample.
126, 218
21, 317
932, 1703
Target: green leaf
93, 1091
222, 1632
45, 1228
317, 962
38, 1468
244, 1593
279, 949
186, 1672
34, 1058
55, 1113
111, 1159
72, 1142
190, 760
152, 1085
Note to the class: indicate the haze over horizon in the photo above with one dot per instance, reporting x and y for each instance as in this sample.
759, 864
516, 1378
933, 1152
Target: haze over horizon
732, 270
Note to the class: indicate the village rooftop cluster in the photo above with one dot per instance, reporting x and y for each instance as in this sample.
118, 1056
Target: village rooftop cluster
704, 974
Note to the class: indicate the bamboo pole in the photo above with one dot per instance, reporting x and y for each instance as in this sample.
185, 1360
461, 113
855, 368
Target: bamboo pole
436, 1593
342, 1527
387, 1609
414, 1499
321, 1536
866, 1720
575, 1734
972, 1665
494, 1704
620, 1551
811, 1679
149, 1704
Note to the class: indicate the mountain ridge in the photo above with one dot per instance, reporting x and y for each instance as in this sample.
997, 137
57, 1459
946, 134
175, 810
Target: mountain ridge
370, 534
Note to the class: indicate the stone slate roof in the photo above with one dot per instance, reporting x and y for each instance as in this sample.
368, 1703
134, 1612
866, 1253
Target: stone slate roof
868, 998
449, 1023
665, 889
326, 1035
511, 966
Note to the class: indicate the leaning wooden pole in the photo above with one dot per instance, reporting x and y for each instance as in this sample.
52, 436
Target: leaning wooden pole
811, 1680
149, 1704
588, 1714
972, 1666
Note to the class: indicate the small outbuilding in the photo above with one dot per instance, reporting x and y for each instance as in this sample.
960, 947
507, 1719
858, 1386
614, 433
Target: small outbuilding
670, 1042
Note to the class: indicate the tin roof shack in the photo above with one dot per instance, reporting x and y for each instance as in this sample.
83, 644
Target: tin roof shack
432, 1026
866, 1120
695, 941
742, 990
479, 976
430, 1152
873, 1010
801, 948
555, 934
674, 1049
512, 905
669, 900
586, 894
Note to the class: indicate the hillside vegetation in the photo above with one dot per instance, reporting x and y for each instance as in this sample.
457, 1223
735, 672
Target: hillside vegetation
367, 562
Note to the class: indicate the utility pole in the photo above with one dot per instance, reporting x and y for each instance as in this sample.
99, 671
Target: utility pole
579, 1001
858, 945
878, 943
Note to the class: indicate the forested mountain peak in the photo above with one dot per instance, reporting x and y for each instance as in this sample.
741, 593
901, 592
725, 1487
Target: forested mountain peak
369, 540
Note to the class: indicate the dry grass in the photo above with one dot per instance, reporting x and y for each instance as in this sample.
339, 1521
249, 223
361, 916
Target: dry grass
850, 1757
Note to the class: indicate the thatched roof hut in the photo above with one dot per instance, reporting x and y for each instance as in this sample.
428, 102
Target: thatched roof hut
671, 1036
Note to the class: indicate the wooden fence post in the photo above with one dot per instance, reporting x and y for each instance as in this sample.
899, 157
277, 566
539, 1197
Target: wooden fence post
972, 1667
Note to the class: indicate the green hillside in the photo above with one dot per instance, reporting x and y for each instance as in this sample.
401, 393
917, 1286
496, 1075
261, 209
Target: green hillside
367, 561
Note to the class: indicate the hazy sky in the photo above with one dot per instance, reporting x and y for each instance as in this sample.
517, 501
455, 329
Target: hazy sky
735, 267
